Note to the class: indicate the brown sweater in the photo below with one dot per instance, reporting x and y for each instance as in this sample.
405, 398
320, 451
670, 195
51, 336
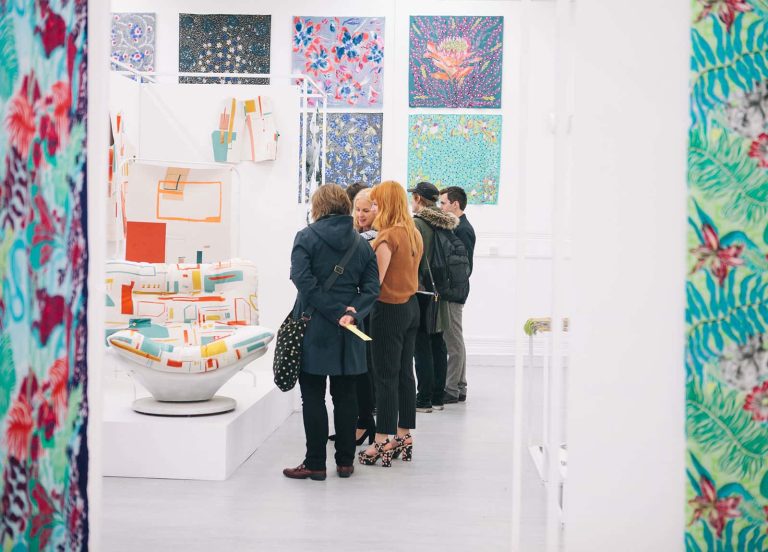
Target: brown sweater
402, 278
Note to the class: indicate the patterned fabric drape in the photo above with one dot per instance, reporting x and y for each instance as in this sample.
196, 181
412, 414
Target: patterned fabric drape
43, 269
727, 287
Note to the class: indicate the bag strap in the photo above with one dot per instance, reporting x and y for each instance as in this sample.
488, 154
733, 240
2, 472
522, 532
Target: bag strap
432, 278
338, 270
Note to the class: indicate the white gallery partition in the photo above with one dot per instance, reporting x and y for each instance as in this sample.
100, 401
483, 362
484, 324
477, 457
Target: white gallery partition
626, 391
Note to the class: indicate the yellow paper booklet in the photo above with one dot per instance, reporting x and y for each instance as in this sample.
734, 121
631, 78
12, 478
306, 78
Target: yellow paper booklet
352, 328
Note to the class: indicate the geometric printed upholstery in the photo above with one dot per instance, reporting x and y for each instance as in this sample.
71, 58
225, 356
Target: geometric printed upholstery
218, 292
184, 318
190, 348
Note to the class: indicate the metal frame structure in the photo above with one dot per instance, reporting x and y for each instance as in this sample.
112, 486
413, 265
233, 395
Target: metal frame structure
311, 92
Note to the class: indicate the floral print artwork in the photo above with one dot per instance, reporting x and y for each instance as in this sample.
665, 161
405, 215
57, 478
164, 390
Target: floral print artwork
224, 43
133, 40
726, 358
353, 148
457, 150
455, 61
344, 55
43, 275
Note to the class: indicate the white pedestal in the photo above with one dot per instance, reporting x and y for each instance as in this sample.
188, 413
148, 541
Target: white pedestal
207, 447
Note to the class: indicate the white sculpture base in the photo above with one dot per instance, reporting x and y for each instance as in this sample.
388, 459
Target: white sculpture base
216, 405
190, 447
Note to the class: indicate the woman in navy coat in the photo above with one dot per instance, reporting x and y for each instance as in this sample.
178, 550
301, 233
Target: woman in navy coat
330, 350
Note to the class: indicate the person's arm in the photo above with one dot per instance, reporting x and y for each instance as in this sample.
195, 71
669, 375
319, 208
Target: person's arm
468, 239
383, 258
369, 288
309, 288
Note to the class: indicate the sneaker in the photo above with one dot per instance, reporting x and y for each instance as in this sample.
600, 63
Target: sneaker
437, 407
424, 409
463, 398
449, 399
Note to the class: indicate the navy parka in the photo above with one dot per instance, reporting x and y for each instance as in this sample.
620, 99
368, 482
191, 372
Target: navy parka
329, 349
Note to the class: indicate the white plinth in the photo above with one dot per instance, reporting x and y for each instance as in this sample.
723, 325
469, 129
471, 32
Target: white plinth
215, 405
206, 447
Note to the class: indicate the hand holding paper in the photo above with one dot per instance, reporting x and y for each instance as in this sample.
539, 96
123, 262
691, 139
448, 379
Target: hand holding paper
352, 328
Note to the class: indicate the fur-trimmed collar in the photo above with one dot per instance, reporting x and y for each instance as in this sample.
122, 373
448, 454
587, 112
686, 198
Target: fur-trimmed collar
437, 218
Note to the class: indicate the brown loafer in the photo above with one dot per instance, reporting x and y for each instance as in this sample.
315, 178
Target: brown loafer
345, 471
301, 472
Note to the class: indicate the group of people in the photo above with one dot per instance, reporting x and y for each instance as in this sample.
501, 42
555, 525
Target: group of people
402, 277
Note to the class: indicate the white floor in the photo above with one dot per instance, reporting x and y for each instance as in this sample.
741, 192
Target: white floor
456, 495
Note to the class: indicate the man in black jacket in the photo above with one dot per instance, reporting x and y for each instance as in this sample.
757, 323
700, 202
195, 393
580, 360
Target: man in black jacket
454, 200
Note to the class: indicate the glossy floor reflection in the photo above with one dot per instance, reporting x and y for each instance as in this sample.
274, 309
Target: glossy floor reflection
456, 495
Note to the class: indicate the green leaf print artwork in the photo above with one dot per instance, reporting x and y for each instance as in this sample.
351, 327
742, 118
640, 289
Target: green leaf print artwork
727, 286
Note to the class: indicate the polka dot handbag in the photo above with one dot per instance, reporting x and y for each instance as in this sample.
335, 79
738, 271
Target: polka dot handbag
290, 336
288, 352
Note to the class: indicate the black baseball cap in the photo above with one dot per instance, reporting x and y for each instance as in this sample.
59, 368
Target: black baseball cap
427, 190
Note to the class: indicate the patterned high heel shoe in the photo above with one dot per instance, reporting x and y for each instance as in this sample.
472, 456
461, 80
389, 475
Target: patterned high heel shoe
402, 448
385, 455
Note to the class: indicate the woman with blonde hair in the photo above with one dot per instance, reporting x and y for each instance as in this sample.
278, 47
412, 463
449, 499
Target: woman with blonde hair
394, 322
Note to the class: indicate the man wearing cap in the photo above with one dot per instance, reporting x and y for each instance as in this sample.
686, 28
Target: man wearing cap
431, 354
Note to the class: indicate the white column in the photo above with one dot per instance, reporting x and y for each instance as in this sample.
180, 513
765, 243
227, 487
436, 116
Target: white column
97, 175
625, 487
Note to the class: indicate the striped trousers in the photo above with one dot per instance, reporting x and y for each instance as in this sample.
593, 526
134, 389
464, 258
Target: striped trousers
393, 329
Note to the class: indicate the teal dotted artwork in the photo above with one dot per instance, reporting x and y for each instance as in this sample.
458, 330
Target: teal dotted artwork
457, 150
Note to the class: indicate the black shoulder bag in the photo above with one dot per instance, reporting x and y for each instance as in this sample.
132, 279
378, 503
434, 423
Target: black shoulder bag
289, 348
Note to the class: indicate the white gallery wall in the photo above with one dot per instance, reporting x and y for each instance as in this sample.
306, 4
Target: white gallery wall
626, 411
488, 317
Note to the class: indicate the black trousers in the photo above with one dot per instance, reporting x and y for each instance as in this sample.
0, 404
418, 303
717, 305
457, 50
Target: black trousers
344, 395
366, 396
431, 357
393, 329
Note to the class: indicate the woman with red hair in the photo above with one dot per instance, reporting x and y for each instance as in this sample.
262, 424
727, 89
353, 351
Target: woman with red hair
394, 322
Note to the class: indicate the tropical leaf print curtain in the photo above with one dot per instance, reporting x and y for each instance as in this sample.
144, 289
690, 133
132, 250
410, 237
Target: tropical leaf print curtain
727, 287
43, 262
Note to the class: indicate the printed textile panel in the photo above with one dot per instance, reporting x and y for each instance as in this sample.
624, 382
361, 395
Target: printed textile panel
455, 61
43, 276
344, 55
457, 150
353, 150
224, 43
190, 348
311, 175
224, 292
133, 39
726, 358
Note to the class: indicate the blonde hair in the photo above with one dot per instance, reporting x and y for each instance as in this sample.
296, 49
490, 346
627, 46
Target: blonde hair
330, 199
392, 203
362, 195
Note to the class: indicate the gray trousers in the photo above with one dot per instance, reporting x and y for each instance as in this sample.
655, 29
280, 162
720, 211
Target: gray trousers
456, 379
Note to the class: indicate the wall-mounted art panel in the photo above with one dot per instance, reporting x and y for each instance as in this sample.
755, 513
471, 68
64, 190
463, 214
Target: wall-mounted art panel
344, 55
457, 150
178, 215
224, 43
133, 39
455, 61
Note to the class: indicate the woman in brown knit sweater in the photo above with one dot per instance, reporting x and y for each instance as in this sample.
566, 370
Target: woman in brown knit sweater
394, 322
